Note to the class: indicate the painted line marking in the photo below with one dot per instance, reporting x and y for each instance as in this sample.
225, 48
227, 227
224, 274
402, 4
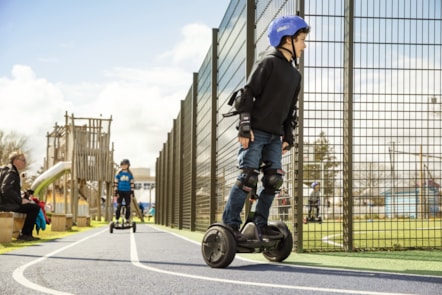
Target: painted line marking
136, 262
18, 273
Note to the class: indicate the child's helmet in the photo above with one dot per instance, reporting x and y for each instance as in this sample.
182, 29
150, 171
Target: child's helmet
315, 184
125, 162
285, 26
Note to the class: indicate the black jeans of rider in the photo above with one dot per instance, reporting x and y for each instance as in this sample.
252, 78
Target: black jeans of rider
126, 196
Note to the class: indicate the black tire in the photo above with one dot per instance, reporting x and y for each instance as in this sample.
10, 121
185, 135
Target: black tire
134, 226
282, 251
218, 247
111, 227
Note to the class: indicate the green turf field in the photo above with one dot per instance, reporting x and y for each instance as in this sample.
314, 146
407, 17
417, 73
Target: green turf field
391, 234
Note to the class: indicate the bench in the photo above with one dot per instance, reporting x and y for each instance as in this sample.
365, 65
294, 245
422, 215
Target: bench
61, 222
11, 224
83, 221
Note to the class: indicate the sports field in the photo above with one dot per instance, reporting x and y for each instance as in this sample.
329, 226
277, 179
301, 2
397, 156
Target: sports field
375, 234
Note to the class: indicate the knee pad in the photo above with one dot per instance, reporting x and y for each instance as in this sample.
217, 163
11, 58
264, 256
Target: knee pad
272, 180
248, 180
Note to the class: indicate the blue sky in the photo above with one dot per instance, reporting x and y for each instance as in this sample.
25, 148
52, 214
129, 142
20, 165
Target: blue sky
132, 60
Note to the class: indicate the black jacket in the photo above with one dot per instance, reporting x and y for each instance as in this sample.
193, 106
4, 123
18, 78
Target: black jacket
274, 85
10, 190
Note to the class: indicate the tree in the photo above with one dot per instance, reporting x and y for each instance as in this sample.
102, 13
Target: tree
370, 175
368, 178
323, 157
10, 142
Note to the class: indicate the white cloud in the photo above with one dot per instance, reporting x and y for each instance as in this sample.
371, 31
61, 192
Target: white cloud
141, 101
196, 40
30, 107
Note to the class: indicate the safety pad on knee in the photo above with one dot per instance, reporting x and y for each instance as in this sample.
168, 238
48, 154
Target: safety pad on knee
272, 180
249, 181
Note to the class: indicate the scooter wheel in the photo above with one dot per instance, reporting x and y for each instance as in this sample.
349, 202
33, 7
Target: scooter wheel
282, 251
218, 247
111, 227
134, 226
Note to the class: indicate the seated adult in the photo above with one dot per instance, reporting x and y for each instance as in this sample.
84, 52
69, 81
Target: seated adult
11, 198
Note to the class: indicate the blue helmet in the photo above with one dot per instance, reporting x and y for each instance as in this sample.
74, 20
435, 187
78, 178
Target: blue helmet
315, 184
285, 26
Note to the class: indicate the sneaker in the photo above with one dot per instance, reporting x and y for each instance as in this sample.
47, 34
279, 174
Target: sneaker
238, 235
269, 233
27, 238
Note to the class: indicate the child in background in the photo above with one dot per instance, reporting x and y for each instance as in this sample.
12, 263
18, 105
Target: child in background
124, 185
313, 201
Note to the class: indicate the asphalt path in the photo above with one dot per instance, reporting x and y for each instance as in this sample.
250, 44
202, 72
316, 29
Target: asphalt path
153, 261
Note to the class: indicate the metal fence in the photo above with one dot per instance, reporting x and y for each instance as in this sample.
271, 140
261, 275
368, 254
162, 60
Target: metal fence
369, 130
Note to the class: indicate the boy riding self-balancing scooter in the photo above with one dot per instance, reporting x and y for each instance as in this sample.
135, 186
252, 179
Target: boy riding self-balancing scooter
313, 205
219, 244
125, 224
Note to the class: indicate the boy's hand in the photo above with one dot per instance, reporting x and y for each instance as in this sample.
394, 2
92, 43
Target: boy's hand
245, 141
285, 147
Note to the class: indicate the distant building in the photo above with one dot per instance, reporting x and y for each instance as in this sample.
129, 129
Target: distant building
144, 186
410, 203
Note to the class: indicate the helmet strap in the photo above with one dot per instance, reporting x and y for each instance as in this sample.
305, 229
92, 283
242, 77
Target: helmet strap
288, 50
292, 52
295, 59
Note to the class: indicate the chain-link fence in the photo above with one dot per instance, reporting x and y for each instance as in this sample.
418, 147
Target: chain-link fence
369, 126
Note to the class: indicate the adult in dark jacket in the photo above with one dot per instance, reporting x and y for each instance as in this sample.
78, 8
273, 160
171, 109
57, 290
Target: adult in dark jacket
11, 199
267, 111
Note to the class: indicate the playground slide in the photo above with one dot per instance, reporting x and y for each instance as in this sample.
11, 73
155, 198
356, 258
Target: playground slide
49, 176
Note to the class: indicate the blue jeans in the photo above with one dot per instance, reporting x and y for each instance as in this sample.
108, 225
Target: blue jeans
266, 147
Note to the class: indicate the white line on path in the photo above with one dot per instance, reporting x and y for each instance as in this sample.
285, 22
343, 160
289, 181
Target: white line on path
18, 274
136, 262
21, 279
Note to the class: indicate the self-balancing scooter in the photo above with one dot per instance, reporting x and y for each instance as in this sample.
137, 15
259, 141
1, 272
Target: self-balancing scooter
313, 219
126, 224
313, 215
219, 245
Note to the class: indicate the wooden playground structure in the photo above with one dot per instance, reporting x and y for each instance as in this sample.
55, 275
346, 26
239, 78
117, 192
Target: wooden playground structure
84, 189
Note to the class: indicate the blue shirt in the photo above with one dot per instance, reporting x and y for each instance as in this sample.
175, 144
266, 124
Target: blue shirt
124, 179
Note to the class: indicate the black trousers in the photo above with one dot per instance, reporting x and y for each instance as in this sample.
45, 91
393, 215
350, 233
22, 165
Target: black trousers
127, 199
31, 211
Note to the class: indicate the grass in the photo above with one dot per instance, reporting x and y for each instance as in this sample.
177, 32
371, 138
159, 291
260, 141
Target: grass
406, 262
376, 234
427, 263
